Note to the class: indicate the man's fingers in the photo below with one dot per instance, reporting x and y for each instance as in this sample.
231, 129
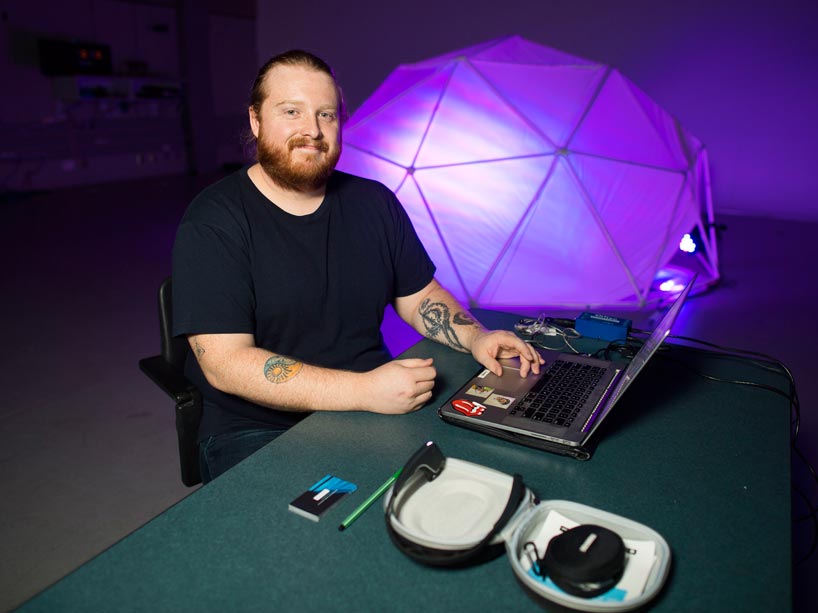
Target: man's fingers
533, 363
421, 400
414, 362
424, 387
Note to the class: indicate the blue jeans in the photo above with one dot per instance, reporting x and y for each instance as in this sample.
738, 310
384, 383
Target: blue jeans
219, 453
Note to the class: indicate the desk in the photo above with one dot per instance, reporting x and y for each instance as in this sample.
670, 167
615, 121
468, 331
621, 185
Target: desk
666, 459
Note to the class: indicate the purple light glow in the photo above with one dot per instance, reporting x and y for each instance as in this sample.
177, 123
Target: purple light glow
535, 178
671, 285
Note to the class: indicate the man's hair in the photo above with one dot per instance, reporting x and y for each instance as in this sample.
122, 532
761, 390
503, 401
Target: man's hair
294, 57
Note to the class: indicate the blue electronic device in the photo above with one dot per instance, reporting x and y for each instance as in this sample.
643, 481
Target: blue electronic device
603, 327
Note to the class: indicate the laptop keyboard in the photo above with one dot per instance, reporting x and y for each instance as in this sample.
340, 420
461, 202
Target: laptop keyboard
560, 393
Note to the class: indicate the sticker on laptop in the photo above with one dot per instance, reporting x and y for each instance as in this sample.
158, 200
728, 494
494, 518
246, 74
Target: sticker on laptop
481, 391
498, 400
468, 408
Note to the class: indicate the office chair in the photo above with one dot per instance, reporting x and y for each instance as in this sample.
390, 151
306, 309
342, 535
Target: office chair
167, 371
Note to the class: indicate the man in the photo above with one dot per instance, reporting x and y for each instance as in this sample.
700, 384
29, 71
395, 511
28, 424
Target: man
282, 272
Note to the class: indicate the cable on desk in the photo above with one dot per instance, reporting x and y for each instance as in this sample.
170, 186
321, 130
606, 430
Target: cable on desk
772, 365
626, 349
539, 329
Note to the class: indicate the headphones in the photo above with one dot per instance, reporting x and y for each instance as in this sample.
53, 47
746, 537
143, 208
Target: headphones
425, 465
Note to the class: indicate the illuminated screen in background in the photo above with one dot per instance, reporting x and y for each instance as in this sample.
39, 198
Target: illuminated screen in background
535, 178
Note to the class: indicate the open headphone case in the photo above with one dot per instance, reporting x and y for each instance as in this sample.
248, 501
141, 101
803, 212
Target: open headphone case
450, 513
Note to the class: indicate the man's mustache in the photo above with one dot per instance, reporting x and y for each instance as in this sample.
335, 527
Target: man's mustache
320, 144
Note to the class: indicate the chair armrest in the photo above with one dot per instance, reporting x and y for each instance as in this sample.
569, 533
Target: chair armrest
168, 377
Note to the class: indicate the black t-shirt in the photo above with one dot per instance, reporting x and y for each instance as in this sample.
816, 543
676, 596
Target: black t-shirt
310, 287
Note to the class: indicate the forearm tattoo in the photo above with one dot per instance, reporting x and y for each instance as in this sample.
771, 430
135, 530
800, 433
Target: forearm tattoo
198, 349
278, 369
438, 323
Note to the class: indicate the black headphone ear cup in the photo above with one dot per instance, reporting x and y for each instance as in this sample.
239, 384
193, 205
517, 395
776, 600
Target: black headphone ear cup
481, 552
585, 561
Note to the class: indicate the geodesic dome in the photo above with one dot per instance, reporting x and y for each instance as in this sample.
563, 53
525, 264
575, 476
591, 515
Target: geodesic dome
535, 178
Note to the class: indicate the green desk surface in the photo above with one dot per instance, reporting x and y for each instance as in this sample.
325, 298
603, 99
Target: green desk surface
705, 464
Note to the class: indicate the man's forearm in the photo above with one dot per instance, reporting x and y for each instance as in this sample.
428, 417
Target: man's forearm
442, 318
280, 382
234, 365
438, 315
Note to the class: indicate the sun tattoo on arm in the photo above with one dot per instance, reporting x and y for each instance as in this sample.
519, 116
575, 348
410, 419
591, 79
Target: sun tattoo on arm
438, 322
278, 369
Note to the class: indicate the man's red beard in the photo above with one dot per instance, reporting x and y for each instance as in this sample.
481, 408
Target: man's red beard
301, 176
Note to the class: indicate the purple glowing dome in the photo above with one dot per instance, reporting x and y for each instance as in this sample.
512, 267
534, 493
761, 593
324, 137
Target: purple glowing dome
535, 178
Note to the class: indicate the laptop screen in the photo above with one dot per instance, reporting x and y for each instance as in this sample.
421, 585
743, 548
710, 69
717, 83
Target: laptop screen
645, 352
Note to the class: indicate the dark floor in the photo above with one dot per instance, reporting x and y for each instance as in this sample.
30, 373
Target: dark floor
87, 444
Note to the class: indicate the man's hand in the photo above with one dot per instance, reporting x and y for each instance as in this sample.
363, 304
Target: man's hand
400, 386
487, 346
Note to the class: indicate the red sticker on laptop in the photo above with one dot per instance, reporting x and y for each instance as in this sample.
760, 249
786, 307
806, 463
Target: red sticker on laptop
468, 408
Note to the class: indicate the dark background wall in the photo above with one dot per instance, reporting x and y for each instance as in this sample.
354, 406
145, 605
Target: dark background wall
173, 103
742, 75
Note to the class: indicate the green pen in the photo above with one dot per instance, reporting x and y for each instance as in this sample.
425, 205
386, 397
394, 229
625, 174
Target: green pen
368, 502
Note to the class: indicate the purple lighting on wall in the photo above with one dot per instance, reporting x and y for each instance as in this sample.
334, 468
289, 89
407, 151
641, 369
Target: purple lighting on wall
535, 178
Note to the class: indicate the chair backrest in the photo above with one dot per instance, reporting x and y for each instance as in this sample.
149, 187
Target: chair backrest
167, 371
174, 350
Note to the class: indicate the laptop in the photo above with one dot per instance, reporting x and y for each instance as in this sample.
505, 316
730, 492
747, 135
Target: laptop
560, 409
